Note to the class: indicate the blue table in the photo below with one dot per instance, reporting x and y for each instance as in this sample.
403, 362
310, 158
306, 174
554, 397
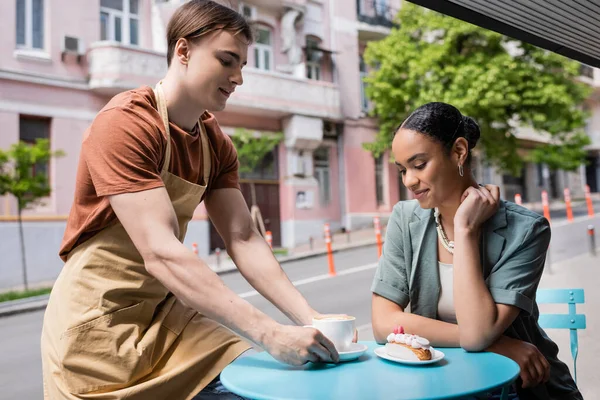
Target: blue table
459, 374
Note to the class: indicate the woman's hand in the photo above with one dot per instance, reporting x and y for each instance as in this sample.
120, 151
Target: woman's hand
477, 206
535, 369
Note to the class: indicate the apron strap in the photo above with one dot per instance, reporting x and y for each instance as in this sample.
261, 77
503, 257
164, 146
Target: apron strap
162, 109
205, 152
161, 103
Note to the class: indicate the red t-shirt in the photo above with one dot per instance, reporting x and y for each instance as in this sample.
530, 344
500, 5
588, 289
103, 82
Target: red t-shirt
123, 151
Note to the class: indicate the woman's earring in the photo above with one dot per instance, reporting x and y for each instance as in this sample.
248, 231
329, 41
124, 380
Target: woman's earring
461, 171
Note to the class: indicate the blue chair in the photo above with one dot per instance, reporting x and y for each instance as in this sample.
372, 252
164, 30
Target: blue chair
571, 321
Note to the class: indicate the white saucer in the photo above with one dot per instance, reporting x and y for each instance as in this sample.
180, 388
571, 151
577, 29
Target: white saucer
356, 350
436, 356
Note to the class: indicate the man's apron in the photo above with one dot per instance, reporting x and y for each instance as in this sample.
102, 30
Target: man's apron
113, 331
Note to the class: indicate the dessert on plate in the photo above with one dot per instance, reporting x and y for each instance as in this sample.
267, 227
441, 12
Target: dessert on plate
407, 346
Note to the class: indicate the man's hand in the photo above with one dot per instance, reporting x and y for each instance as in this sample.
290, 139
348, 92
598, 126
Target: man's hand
296, 345
534, 366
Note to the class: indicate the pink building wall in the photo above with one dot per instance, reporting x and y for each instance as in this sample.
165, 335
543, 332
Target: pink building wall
46, 86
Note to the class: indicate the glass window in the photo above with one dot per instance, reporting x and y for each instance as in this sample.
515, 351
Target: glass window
21, 22
114, 4
133, 31
104, 18
133, 6
264, 37
256, 58
31, 129
380, 7
267, 64
379, 184
119, 21
30, 24
118, 36
364, 100
323, 174
313, 59
37, 24
263, 51
540, 175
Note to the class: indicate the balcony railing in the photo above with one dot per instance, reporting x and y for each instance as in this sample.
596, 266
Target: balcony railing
376, 12
278, 94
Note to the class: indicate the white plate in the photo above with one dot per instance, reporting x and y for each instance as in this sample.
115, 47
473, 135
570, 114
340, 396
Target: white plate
437, 356
356, 350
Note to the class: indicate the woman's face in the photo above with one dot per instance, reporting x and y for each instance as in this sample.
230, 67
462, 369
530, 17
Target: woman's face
426, 169
214, 68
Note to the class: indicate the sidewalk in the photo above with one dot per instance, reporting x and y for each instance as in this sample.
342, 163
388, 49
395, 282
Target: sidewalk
339, 242
559, 205
580, 272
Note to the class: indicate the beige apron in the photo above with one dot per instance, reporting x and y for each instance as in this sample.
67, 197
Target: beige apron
112, 331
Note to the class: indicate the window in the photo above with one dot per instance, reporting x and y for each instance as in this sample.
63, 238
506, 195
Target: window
30, 24
263, 50
31, 129
323, 174
540, 175
248, 11
379, 181
119, 21
380, 7
313, 59
364, 101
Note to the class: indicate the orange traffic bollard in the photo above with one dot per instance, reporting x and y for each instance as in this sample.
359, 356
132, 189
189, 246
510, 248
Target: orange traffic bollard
567, 193
195, 248
588, 200
546, 205
518, 199
329, 250
378, 236
269, 238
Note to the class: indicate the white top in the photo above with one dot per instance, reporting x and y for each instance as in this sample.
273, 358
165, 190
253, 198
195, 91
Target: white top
446, 311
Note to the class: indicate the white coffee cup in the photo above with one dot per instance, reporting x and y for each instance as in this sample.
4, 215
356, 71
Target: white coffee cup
337, 328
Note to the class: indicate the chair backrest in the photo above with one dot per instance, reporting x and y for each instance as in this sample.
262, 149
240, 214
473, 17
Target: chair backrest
571, 321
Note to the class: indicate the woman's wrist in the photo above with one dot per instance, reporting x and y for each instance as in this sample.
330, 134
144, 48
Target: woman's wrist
466, 232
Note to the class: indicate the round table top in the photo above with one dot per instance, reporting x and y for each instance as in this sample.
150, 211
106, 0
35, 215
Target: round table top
459, 374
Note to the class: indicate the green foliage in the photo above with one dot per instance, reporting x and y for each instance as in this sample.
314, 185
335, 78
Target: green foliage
432, 57
17, 175
20, 177
14, 295
253, 147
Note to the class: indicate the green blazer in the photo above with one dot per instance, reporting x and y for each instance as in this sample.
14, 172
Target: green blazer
513, 248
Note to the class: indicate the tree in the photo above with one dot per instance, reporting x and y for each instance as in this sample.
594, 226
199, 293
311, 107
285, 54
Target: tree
252, 147
20, 177
500, 82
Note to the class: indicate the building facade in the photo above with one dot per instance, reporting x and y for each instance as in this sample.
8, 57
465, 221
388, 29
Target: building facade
61, 61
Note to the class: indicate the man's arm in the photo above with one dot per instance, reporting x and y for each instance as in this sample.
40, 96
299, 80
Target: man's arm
151, 223
229, 213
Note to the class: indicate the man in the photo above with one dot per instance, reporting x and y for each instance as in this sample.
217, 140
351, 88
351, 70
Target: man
135, 314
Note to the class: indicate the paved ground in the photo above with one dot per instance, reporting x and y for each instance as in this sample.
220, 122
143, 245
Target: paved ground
570, 266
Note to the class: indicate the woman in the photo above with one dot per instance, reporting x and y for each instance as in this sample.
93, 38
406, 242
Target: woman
468, 263
134, 313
